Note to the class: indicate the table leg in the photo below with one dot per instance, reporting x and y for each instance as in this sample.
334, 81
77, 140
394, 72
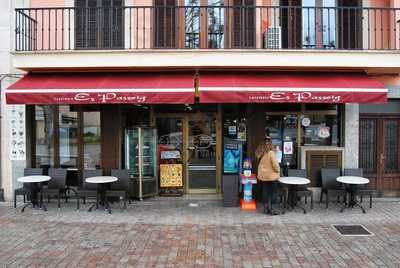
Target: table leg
353, 201
293, 199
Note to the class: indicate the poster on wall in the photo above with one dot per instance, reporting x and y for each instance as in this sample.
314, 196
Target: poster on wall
17, 132
232, 156
241, 132
288, 147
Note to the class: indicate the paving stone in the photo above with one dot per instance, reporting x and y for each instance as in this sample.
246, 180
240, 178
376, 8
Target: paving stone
169, 233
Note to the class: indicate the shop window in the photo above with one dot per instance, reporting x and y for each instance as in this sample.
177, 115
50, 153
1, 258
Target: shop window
283, 131
68, 137
91, 140
320, 130
44, 134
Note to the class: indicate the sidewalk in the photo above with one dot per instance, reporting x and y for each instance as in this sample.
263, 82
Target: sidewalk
170, 233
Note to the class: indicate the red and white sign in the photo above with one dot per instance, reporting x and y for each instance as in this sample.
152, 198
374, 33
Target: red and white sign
290, 88
103, 88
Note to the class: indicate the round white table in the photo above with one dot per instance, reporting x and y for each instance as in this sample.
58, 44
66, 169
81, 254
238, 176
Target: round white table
352, 183
292, 183
102, 181
36, 185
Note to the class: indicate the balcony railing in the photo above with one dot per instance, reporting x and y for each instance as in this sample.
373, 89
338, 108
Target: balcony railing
207, 27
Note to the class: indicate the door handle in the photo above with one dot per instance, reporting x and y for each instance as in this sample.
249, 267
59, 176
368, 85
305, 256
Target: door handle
381, 158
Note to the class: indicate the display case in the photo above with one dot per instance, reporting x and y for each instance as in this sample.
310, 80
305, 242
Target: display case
141, 160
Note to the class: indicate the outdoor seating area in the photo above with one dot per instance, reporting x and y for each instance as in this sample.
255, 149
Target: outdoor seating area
38, 188
346, 188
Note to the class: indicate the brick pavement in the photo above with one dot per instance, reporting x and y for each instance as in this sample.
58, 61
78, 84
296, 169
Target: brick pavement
171, 234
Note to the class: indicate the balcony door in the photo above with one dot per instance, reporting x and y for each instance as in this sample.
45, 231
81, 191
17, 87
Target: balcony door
243, 24
99, 24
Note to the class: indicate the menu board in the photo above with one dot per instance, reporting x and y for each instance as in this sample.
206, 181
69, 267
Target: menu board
17, 132
171, 175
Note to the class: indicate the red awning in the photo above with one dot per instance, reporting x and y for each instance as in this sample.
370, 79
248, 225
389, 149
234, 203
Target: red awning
251, 87
103, 88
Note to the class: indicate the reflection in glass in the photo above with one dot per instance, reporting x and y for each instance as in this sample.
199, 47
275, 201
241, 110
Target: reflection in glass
44, 120
68, 137
192, 23
91, 140
320, 21
321, 131
215, 15
308, 23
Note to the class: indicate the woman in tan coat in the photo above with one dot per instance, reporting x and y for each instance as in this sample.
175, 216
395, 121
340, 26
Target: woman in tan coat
268, 174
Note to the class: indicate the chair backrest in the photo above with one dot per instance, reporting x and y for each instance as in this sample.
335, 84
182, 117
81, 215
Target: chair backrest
329, 176
354, 172
302, 173
87, 173
123, 179
58, 178
31, 172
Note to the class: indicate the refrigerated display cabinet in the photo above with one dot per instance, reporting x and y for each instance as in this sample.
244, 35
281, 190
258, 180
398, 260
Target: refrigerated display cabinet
141, 160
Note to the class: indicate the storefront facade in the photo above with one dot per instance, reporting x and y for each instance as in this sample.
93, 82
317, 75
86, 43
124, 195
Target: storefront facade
211, 121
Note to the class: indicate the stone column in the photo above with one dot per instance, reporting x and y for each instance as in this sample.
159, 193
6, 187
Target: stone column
351, 135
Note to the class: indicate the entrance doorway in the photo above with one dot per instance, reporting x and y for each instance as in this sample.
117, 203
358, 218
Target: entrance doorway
379, 152
195, 136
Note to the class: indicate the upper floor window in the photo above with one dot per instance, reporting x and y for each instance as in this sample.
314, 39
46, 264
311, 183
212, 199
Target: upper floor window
99, 24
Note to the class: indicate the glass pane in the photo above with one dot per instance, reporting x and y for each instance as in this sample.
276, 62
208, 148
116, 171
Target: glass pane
202, 145
148, 149
68, 137
320, 130
308, 23
283, 131
192, 23
132, 157
329, 23
91, 140
391, 146
44, 120
215, 15
368, 145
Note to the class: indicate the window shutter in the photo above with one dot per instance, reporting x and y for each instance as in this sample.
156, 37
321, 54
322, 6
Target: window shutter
165, 24
321, 159
243, 33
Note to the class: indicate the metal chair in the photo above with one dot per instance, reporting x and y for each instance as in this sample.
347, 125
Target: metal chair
88, 189
120, 188
56, 186
25, 190
363, 190
330, 186
302, 191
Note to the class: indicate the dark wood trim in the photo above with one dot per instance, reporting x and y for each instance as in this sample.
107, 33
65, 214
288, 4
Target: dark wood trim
56, 136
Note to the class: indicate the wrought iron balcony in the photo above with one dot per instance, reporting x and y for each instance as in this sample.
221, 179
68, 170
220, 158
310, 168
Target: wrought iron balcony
207, 27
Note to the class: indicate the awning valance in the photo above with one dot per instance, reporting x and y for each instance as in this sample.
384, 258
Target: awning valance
103, 88
290, 87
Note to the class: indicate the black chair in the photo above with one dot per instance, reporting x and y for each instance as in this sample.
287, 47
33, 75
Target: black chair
363, 190
330, 186
88, 189
120, 188
25, 190
302, 191
55, 186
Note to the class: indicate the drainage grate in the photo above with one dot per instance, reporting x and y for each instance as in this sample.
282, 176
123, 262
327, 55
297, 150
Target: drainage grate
350, 230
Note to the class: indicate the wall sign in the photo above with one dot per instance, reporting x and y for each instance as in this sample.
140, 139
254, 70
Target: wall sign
17, 132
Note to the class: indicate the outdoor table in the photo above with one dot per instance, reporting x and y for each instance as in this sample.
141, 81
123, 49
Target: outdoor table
352, 183
36, 184
102, 182
292, 183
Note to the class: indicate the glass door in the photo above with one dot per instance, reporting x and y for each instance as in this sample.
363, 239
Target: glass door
201, 154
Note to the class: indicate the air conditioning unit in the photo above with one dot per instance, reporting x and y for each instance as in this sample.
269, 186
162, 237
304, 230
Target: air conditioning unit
273, 38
